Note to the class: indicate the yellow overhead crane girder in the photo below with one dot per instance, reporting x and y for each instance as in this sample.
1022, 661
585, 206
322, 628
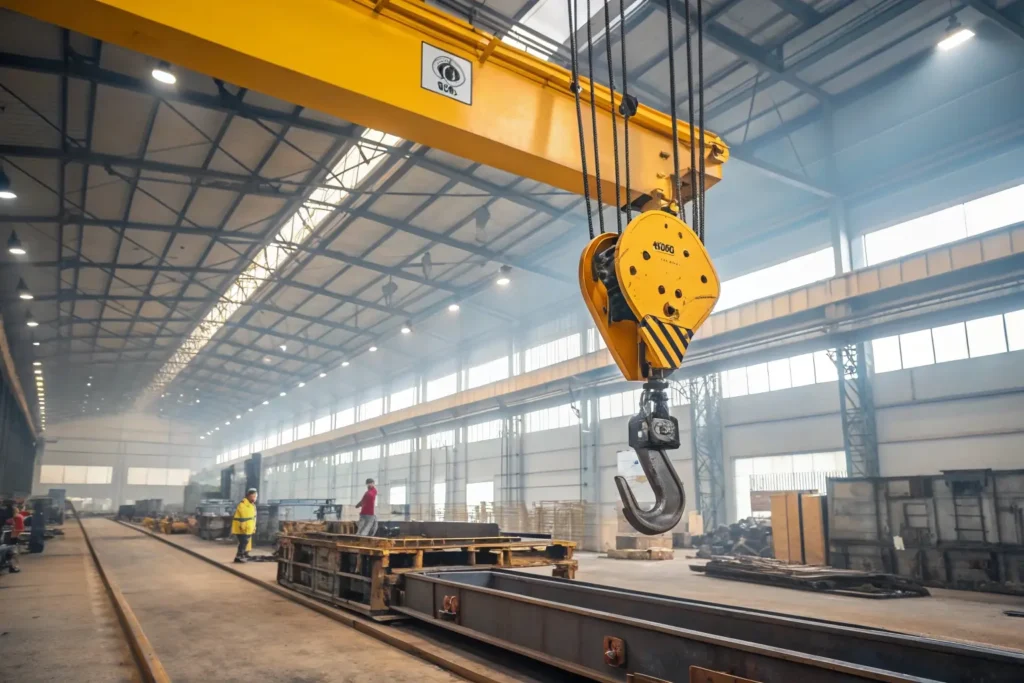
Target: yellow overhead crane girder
366, 62
405, 68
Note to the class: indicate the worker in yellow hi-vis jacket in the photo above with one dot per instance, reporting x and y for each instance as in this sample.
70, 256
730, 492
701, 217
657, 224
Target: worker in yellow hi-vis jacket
243, 526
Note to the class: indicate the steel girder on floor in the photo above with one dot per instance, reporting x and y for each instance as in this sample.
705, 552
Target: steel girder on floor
708, 457
857, 407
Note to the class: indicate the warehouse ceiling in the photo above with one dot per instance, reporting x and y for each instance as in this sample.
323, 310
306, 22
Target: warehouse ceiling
141, 203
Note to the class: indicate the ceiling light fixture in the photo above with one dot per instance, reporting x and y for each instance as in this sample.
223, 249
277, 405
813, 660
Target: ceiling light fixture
35, 343
503, 276
162, 72
238, 417
37, 363
301, 384
23, 292
322, 375
250, 409
88, 384
453, 308
406, 328
14, 245
373, 349
5, 186
283, 393
283, 347
345, 363
227, 422
954, 35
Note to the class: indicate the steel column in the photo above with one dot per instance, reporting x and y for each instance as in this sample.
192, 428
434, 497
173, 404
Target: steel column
857, 407
708, 456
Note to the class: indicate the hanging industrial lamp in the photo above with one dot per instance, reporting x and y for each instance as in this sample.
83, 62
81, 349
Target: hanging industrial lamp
23, 292
30, 321
14, 245
6, 189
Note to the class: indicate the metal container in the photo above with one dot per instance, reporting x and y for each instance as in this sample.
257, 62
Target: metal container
960, 529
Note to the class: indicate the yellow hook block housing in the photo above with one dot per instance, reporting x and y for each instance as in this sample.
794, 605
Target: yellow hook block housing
648, 290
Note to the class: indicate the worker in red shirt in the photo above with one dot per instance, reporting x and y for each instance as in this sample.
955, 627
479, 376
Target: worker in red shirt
19, 522
367, 519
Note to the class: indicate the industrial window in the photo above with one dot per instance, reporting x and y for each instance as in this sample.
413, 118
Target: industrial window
344, 418
950, 342
755, 477
551, 418
797, 371
986, 336
549, 21
1015, 330
157, 476
618, 405
287, 436
322, 424
273, 440
948, 225
442, 386
440, 491
916, 349
479, 492
369, 453
342, 458
371, 409
477, 495
782, 277
302, 430
482, 431
400, 447
402, 399
485, 373
552, 352
972, 339
441, 439
75, 474
396, 495
255, 447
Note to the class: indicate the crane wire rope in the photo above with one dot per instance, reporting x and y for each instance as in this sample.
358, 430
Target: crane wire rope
627, 107
615, 132
593, 116
574, 85
700, 110
677, 185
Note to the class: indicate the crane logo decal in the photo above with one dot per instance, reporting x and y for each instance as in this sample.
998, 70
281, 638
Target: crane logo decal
446, 74
449, 75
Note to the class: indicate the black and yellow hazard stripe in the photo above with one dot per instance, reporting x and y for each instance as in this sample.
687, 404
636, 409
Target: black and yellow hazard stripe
667, 341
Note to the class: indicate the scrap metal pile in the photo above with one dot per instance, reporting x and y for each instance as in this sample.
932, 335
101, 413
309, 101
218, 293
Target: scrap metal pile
750, 537
822, 579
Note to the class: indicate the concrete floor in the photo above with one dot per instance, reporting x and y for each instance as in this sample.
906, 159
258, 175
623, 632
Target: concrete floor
206, 624
56, 620
951, 615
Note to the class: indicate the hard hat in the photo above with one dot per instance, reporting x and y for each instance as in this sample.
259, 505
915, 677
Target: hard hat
251, 491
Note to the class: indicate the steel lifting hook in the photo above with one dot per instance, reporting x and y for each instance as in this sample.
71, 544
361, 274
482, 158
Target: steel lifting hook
650, 435
669, 496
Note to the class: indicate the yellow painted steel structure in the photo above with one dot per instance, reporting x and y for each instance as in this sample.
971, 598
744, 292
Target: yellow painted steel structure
669, 283
360, 60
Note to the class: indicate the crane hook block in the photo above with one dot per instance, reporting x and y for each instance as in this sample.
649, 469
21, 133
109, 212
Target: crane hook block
648, 290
